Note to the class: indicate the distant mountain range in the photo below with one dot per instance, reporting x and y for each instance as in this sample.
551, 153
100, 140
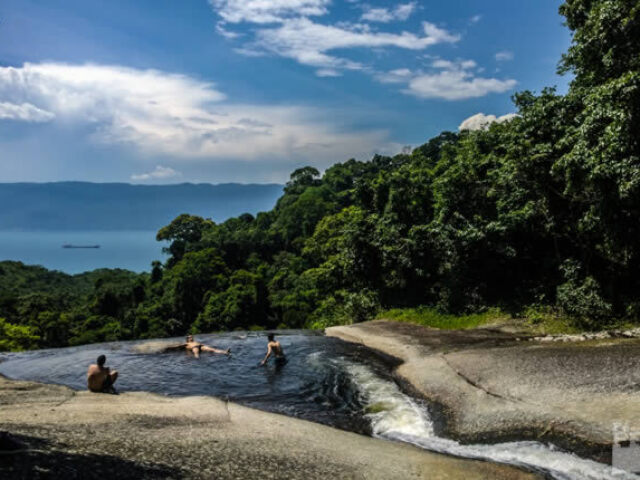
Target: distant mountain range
122, 206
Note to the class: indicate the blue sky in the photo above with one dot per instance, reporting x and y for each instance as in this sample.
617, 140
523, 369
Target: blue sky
165, 91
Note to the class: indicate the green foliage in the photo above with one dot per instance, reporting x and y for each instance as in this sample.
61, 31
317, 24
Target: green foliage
184, 232
343, 308
430, 317
582, 297
97, 328
538, 211
57, 310
546, 319
17, 337
302, 178
187, 283
242, 304
605, 39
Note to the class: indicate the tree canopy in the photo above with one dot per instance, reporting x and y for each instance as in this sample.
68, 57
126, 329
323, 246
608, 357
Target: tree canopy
541, 210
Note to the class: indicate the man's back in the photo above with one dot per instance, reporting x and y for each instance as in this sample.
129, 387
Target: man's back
101, 378
277, 348
96, 377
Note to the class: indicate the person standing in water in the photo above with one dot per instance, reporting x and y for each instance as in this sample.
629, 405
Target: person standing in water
100, 379
196, 347
273, 346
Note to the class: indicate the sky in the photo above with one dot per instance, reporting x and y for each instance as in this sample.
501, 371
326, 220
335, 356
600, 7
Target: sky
168, 91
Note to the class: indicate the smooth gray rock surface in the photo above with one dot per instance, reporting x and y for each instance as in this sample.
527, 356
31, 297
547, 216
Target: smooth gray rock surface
68, 434
494, 386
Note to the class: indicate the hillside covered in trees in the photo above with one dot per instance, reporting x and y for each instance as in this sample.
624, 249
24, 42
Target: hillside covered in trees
541, 211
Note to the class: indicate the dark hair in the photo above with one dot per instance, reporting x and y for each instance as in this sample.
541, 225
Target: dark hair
101, 360
270, 337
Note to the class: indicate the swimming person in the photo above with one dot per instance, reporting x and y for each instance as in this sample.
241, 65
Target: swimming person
273, 346
100, 379
196, 347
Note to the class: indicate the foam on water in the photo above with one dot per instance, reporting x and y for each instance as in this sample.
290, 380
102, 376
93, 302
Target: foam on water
396, 416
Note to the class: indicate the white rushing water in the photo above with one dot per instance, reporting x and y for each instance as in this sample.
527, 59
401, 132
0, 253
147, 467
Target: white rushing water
397, 416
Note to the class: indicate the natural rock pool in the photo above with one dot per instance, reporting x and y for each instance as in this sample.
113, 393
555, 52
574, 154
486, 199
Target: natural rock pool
325, 380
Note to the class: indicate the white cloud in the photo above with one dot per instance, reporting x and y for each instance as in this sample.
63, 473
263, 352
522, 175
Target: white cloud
456, 85
457, 65
328, 72
24, 112
96, 91
405, 10
440, 63
250, 52
480, 121
226, 33
382, 15
308, 42
400, 75
437, 34
267, 11
504, 56
161, 113
401, 12
160, 173
286, 29
448, 80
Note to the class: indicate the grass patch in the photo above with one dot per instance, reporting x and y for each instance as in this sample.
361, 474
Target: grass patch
541, 320
430, 317
533, 320
550, 321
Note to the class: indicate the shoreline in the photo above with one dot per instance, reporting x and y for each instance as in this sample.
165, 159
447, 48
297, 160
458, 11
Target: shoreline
487, 386
141, 434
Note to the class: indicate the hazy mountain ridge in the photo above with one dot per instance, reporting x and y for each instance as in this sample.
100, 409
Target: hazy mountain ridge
123, 206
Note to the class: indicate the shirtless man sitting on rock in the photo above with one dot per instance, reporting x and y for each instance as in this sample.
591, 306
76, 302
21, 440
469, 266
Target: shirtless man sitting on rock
196, 347
100, 379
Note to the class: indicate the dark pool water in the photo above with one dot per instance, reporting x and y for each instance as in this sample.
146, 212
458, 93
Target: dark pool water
326, 380
313, 384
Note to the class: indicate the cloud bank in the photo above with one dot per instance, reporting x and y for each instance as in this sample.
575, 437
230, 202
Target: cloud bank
456, 85
267, 11
24, 112
446, 80
292, 29
288, 28
309, 43
176, 115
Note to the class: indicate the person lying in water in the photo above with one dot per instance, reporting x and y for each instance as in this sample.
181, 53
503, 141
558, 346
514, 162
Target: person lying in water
197, 347
273, 346
100, 379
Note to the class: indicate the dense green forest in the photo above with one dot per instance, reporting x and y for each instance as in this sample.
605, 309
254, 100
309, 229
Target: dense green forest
539, 212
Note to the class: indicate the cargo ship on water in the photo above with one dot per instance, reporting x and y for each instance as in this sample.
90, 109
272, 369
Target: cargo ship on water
68, 245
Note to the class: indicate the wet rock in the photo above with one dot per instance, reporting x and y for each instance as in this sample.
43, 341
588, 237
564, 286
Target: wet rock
568, 389
141, 435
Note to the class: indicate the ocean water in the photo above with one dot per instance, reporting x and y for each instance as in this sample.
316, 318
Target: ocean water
131, 250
